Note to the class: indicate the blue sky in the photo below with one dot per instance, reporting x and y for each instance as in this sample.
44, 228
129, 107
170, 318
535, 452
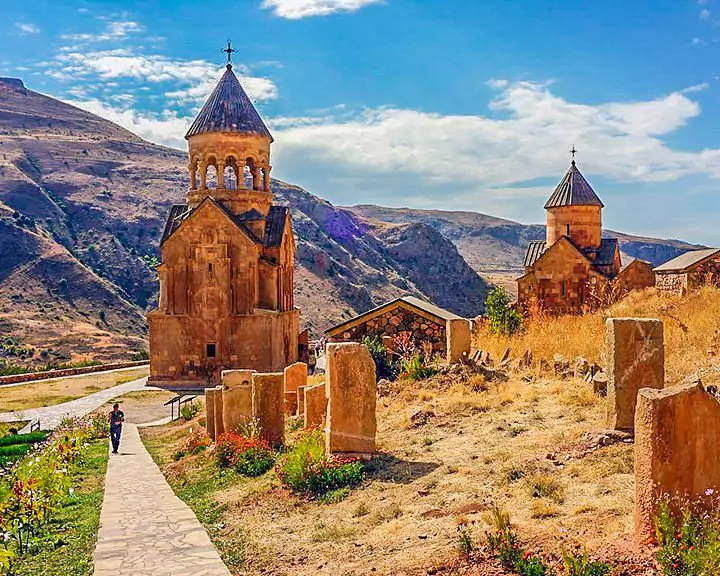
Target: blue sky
462, 104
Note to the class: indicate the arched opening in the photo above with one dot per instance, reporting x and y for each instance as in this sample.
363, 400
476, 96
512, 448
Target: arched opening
250, 174
231, 173
211, 178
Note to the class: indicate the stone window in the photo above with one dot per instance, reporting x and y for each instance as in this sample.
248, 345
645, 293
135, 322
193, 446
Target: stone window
211, 350
567, 229
562, 288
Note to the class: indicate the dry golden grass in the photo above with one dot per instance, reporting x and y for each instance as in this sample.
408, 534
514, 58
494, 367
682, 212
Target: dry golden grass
54, 392
692, 332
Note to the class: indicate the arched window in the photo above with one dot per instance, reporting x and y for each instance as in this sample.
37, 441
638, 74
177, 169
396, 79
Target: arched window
231, 171
211, 178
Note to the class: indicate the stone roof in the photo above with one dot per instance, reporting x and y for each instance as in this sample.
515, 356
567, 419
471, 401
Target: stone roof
573, 190
606, 252
275, 226
412, 301
178, 213
687, 260
228, 109
534, 251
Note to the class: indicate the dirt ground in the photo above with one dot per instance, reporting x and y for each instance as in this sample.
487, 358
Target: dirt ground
143, 406
450, 450
53, 392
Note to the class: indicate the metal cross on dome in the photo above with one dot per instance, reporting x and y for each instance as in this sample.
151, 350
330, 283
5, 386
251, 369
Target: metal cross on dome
573, 152
229, 51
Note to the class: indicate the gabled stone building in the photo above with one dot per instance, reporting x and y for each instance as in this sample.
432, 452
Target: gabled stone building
562, 270
226, 278
689, 271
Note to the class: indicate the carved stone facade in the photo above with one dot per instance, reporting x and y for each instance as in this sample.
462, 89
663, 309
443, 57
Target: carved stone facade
226, 278
574, 263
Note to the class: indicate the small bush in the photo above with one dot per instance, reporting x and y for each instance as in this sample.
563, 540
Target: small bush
503, 319
140, 355
415, 368
383, 367
248, 456
465, 542
195, 443
189, 410
306, 468
544, 486
504, 542
578, 563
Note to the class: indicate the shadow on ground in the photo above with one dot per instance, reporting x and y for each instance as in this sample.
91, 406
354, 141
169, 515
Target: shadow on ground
388, 468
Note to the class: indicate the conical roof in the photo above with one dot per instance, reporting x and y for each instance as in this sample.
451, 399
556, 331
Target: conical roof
228, 109
573, 190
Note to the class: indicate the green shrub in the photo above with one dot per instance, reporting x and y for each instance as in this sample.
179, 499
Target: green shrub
578, 563
689, 541
306, 468
139, 355
504, 542
30, 438
383, 367
189, 410
503, 319
414, 368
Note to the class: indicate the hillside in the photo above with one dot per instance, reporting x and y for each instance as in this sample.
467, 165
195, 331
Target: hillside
495, 247
82, 206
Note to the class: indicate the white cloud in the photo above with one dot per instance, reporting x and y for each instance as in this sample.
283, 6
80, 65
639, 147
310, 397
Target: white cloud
115, 30
704, 14
27, 28
698, 41
297, 9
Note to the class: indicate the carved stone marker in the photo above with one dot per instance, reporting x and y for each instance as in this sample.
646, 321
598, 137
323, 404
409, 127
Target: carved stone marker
234, 378
457, 334
301, 401
351, 392
295, 376
268, 405
315, 406
218, 399
635, 359
237, 406
677, 442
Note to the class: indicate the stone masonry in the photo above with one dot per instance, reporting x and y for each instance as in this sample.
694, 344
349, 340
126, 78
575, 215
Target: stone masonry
677, 440
268, 406
635, 359
351, 390
393, 322
315, 406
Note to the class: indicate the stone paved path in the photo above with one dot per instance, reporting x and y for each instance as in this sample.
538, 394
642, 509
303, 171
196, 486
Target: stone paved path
51, 416
145, 530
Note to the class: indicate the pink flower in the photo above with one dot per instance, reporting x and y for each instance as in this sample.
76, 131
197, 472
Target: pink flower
709, 492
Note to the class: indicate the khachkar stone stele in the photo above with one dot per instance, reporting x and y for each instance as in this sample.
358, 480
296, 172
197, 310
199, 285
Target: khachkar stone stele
226, 278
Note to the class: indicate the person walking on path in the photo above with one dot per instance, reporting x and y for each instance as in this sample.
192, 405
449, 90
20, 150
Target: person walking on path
117, 417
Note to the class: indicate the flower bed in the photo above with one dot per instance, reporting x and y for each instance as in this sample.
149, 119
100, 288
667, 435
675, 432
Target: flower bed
249, 456
306, 468
33, 489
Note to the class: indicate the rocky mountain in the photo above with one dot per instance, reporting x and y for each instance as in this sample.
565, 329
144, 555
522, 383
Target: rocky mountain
82, 206
495, 247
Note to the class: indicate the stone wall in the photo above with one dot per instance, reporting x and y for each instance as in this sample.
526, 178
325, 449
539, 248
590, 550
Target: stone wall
30, 376
677, 440
707, 273
635, 276
671, 282
397, 320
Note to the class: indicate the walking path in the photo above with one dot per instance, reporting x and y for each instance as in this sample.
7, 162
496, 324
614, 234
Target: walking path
145, 530
51, 416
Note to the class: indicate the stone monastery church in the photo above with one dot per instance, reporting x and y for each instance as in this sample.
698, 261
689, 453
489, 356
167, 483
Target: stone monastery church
574, 262
226, 278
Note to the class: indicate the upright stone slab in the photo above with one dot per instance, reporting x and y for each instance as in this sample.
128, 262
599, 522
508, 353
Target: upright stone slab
237, 406
234, 378
219, 424
457, 333
210, 412
315, 406
295, 376
635, 359
268, 404
351, 392
301, 401
677, 442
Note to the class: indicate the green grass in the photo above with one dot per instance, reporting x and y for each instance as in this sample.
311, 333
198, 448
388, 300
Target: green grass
30, 438
68, 541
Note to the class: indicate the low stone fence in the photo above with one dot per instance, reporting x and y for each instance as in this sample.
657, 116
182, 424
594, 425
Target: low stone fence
30, 376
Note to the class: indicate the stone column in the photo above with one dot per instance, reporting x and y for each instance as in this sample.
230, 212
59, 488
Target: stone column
457, 336
268, 406
315, 406
221, 175
203, 175
677, 440
193, 175
352, 392
218, 398
635, 356
210, 412
255, 172
266, 178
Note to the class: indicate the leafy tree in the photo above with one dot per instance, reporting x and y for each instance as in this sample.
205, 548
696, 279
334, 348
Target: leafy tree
503, 319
